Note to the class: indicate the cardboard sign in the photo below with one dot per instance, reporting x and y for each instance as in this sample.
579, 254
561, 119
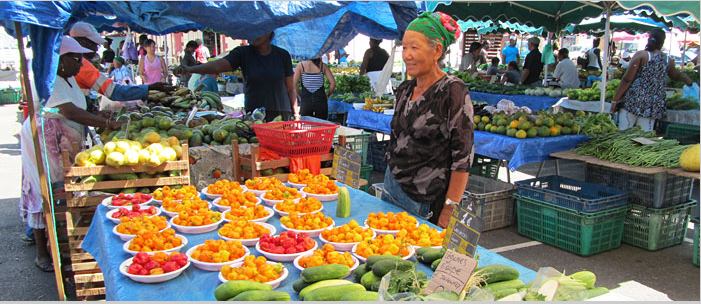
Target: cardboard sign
346, 166
452, 273
464, 229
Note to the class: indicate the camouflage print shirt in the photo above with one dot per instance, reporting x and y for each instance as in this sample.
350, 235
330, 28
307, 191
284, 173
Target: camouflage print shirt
431, 137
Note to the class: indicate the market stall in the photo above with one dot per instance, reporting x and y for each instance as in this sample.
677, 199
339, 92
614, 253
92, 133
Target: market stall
535, 103
195, 284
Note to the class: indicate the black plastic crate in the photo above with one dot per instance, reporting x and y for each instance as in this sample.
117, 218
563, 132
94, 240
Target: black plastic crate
376, 155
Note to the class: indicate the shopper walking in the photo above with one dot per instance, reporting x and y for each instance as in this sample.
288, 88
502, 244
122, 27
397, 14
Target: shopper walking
152, 68
313, 95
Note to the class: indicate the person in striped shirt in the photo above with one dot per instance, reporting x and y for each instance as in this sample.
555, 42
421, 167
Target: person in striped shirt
312, 93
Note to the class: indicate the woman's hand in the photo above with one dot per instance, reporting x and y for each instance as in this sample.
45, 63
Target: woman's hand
115, 125
180, 70
614, 107
444, 217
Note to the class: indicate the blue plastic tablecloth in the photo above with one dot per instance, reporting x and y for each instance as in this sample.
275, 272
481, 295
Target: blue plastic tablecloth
535, 103
522, 151
195, 284
336, 105
369, 120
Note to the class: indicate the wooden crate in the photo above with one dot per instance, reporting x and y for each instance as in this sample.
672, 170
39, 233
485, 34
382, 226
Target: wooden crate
77, 215
253, 161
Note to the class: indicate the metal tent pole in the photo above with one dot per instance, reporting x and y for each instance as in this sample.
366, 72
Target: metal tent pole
604, 71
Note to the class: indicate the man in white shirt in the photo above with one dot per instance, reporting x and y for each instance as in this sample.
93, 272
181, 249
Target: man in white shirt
566, 71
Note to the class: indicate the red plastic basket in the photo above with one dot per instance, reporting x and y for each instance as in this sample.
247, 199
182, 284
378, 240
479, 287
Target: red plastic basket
296, 138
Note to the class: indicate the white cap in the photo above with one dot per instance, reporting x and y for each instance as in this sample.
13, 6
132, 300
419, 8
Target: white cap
84, 29
70, 45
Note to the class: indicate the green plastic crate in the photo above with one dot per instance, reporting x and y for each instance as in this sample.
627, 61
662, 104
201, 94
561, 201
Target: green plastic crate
365, 174
358, 139
685, 134
655, 229
696, 241
485, 166
581, 233
9, 96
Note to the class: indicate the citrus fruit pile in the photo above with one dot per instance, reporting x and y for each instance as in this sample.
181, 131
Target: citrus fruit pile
158, 263
141, 224
247, 214
423, 236
179, 194
218, 251
390, 220
305, 205
155, 241
382, 244
197, 217
223, 186
243, 230
347, 233
309, 221
263, 183
327, 255
237, 198
254, 269
282, 193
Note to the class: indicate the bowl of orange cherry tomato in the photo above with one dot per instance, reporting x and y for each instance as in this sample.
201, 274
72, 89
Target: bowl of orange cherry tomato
130, 227
299, 179
214, 254
422, 236
248, 233
197, 221
324, 256
280, 194
322, 188
255, 269
151, 242
303, 206
174, 194
216, 190
236, 199
172, 208
257, 213
260, 185
311, 223
344, 237
390, 222
382, 245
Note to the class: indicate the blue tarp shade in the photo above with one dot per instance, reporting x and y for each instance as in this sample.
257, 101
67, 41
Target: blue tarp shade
488, 26
154, 17
313, 38
619, 23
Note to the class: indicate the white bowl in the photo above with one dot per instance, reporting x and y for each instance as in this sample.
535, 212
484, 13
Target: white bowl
107, 202
362, 259
259, 220
251, 242
296, 263
274, 283
258, 193
358, 106
281, 213
283, 257
168, 251
297, 186
434, 247
321, 197
380, 231
224, 208
117, 221
212, 266
174, 214
213, 196
157, 278
196, 229
272, 203
310, 233
343, 246
128, 237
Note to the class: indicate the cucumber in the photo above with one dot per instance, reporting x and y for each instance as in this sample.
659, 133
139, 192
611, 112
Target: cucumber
586, 277
262, 295
513, 284
360, 271
376, 258
332, 293
381, 268
595, 292
318, 285
500, 293
300, 284
497, 273
360, 296
435, 263
325, 272
368, 279
427, 255
231, 289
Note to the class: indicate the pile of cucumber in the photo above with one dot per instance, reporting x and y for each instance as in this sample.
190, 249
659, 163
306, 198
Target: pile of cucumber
248, 291
324, 283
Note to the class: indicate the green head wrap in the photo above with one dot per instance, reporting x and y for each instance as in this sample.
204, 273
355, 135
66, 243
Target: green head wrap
119, 59
436, 26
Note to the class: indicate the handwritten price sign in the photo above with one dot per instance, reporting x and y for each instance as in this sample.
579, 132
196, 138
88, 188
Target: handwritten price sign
452, 273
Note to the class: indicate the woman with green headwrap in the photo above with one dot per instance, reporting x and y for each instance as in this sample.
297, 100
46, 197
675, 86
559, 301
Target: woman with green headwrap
430, 149
121, 73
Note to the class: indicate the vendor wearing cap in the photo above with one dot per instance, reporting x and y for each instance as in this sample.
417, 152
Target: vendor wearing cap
532, 65
90, 78
63, 129
431, 143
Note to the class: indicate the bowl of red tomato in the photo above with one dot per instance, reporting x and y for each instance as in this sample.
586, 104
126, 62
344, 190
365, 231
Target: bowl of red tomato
116, 215
154, 268
285, 247
127, 200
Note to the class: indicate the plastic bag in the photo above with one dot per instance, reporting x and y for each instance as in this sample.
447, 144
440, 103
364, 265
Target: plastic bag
692, 91
383, 293
562, 293
129, 51
479, 294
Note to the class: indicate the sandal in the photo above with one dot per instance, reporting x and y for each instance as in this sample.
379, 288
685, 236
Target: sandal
45, 267
27, 240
